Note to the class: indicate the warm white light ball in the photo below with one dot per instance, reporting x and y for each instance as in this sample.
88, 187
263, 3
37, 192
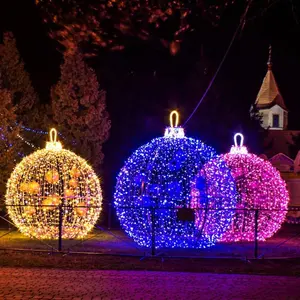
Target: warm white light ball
50, 185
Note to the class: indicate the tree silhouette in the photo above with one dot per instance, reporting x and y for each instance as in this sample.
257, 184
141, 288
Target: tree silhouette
115, 24
10, 144
15, 79
14, 76
79, 108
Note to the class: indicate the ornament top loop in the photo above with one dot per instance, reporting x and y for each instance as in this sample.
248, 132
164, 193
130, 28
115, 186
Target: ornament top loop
238, 148
241, 141
53, 144
174, 112
53, 135
174, 131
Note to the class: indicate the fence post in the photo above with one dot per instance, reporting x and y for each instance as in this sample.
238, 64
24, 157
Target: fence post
109, 216
256, 234
153, 231
60, 221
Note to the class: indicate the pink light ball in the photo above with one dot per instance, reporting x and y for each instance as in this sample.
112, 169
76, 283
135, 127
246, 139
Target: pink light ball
259, 187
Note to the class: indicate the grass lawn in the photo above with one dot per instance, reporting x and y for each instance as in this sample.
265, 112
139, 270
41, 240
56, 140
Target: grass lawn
113, 250
285, 244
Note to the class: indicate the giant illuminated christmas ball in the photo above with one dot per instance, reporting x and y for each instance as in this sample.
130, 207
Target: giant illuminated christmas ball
160, 188
260, 189
53, 188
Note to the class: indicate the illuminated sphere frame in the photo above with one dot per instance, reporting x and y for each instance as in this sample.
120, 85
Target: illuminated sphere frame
50, 187
261, 188
164, 176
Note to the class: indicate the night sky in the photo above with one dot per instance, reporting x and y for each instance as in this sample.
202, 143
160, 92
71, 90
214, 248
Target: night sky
144, 83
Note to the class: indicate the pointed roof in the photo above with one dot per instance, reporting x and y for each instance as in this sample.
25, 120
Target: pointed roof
269, 93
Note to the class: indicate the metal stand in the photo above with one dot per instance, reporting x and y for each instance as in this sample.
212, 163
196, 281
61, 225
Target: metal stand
153, 249
60, 221
109, 216
153, 232
256, 235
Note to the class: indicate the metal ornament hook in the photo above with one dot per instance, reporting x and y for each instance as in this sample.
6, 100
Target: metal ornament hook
174, 112
241, 141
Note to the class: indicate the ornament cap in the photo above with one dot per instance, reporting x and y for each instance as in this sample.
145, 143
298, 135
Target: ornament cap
238, 148
53, 144
174, 131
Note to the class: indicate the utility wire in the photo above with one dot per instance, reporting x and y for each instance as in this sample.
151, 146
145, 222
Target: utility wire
240, 26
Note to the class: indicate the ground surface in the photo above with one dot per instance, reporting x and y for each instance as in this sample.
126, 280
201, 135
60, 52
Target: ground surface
16, 283
282, 267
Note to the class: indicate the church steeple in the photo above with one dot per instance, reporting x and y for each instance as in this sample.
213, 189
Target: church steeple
269, 94
269, 101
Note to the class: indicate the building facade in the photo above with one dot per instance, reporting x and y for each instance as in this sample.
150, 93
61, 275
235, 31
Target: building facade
274, 115
270, 103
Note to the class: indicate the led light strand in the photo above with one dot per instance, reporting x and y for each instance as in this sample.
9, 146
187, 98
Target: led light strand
38, 131
50, 180
261, 188
20, 137
158, 179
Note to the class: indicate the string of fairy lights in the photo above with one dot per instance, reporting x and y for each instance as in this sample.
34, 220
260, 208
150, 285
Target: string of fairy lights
260, 187
36, 131
155, 183
53, 185
28, 129
54, 192
175, 172
53, 189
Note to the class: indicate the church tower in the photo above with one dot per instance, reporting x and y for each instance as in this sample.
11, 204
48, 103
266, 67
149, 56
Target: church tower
270, 103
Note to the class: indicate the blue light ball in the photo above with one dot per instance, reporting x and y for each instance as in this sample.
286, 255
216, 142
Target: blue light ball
162, 177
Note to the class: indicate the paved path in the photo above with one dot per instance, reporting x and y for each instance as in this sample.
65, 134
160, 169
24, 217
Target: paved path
68, 284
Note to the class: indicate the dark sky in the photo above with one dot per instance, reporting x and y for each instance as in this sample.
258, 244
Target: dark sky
139, 102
